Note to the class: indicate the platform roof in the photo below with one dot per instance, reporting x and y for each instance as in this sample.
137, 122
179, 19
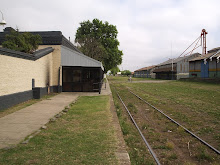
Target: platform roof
70, 57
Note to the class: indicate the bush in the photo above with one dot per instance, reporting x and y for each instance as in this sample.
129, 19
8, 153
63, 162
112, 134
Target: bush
23, 42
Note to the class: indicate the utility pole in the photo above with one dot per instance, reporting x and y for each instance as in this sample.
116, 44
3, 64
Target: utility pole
172, 61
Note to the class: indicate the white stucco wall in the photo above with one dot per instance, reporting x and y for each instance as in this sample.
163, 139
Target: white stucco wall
16, 74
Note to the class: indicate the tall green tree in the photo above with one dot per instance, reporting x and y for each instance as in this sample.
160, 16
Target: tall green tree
94, 49
99, 40
24, 42
115, 70
126, 72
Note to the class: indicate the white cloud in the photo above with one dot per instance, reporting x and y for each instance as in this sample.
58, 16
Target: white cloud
146, 28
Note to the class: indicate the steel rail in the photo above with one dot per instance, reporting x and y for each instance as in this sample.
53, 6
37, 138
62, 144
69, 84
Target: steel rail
188, 131
145, 141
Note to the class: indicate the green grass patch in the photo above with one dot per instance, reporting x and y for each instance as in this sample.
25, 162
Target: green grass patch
132, 108
82, 136
172, 157
203, 156
196, 105
125, 79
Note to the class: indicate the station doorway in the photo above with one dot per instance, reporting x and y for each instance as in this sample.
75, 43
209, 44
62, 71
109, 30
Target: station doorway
81, 79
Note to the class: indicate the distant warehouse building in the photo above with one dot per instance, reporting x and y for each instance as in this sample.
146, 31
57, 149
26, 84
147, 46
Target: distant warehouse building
173, 69
145, 72
206, 66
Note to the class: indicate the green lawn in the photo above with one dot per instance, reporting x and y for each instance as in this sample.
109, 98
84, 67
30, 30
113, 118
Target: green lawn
82, 136
198, 98
194, 104
125, 79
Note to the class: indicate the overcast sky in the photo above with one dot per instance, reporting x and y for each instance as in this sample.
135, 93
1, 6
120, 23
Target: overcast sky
146, 28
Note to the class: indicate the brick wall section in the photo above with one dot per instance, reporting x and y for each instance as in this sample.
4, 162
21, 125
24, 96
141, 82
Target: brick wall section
56, 61
7, 101
16, 74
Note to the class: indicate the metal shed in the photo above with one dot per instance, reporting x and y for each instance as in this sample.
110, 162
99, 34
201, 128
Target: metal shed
80, 73
207, 65
174, 68
166, 70
144, 72
183, 66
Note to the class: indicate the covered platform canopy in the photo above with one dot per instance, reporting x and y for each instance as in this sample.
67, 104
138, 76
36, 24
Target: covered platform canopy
80, 73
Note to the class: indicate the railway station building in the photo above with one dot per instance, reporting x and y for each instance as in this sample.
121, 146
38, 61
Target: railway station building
57, 66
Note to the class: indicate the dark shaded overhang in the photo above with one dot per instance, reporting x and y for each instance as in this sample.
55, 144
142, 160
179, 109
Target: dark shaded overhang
169, 69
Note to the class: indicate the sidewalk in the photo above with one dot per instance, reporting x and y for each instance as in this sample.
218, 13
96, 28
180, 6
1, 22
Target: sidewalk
18, 125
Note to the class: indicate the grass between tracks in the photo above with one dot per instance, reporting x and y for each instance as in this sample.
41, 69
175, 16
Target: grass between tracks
196, 105
136, 148
83, 135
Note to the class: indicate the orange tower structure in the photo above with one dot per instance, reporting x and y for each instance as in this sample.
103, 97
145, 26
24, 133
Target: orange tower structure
203, 41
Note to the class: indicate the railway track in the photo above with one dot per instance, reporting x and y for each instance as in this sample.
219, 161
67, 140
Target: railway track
145, 141
168, 117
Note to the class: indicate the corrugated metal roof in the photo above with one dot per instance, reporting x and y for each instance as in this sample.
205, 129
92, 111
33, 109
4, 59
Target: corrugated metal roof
205, 56
165, 62
216, 54
211, 54
70, 57
214, 50
170, 61
145, 68
175, 60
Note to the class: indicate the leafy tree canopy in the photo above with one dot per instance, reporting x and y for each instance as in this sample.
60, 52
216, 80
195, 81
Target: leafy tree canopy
24, 42
94, 49
99, 41
115, 70
126, 72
